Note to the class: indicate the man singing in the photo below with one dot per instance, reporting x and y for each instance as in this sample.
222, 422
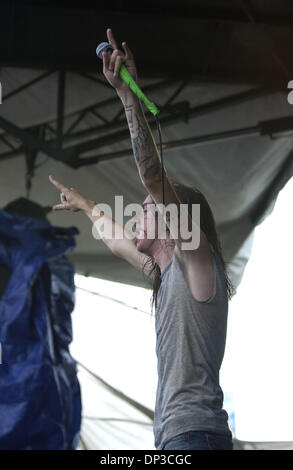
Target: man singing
191, 288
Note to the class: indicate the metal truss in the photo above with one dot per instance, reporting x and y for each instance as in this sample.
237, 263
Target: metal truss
50, 137
53, 146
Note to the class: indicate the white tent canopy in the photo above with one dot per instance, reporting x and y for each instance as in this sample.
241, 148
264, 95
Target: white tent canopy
240, 175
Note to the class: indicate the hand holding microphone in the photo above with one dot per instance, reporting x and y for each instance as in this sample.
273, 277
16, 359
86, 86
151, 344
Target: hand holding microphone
120, 70
113, 58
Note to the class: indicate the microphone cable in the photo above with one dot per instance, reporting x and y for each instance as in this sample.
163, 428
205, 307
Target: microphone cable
161, 156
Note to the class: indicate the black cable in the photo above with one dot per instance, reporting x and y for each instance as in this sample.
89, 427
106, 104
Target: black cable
161, 155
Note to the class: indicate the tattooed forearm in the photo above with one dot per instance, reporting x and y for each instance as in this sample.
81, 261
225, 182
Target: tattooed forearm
143, 145
129, 112
145, 152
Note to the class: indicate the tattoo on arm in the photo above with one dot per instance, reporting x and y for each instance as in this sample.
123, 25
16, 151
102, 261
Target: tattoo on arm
144, 148
129, 111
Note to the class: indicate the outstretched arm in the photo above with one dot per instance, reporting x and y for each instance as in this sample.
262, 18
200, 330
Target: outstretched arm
117, 238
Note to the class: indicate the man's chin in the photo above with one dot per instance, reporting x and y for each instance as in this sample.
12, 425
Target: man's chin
139, 244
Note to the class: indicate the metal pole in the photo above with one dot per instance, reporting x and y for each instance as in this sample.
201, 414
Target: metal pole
60, 108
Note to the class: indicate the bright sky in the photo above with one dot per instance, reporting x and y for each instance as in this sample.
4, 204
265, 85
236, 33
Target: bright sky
259, 350
118, 342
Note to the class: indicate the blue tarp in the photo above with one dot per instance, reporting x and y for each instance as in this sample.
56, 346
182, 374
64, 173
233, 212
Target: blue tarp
40, 402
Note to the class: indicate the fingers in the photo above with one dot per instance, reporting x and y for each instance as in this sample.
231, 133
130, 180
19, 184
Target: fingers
111, 38
117, 65
113, 63
58, 185
106, 61
128, 53
113, 60
109, 60
63, 205
59, 207
63, 190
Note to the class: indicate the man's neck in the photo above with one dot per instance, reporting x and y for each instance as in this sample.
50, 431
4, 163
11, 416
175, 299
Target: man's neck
163, 253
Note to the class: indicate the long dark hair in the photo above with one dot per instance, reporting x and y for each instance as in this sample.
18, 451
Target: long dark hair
191, 195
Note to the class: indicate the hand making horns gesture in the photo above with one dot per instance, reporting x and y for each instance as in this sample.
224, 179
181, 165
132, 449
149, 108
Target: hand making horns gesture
71, 199
112, 64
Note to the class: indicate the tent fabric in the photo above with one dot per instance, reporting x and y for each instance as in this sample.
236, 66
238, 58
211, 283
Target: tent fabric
111, 420
239, 176
266, 445
40, 399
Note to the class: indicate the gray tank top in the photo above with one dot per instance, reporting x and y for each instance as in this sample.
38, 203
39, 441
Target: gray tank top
190, 345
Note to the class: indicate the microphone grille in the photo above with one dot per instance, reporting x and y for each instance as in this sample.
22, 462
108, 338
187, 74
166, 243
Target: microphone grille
103, 46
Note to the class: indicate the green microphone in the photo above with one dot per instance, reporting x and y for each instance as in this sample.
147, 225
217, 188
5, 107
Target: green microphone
127, 78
